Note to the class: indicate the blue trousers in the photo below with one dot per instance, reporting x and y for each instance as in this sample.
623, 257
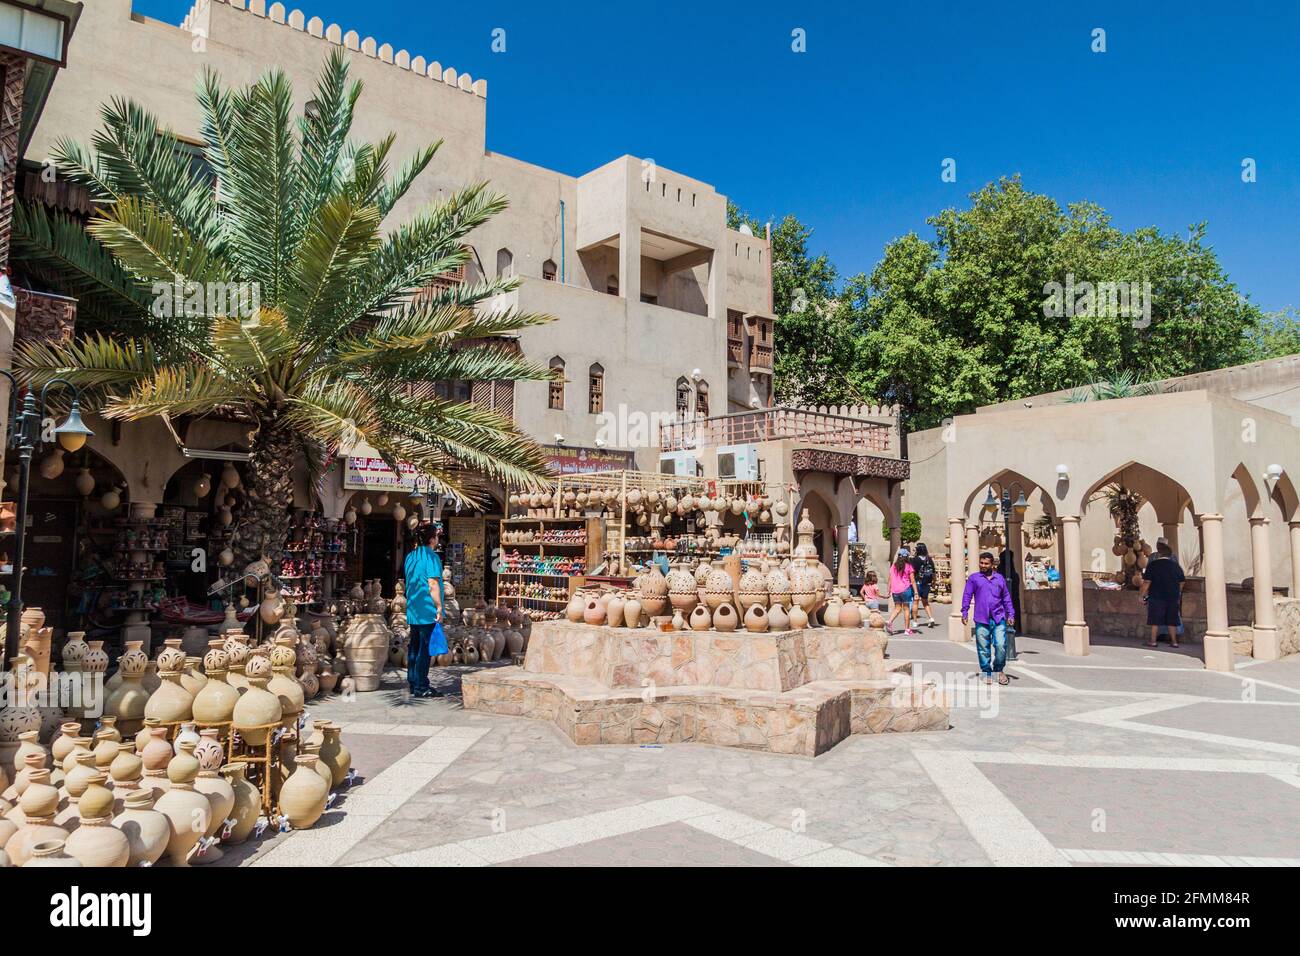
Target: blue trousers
991, 645
417, 658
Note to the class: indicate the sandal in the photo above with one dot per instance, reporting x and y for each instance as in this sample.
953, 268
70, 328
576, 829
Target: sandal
1154, 645
1175, 646
1003, 679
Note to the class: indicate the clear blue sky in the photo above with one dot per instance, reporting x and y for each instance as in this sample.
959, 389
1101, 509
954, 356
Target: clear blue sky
850, 135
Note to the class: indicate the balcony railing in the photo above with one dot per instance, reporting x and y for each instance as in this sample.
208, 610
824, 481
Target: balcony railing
735, 351
760, 356
770, 424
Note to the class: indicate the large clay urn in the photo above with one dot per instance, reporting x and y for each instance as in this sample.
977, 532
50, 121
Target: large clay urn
653, 590
39, 804
798, 618
778, 587
186, 809
365, 643
778, 619
65, 742
292, 697
804, 584
146, 830
128, 700
221, 800
752, 590
631, 612
171, 702
303, 796
236, 660
334, 754
725, 618
717, 586
756, 619
851, 615
215, 701
614, 611
257, 707
831, 616
192, 676
593, 612
125, 774
96, 842
573, 610
682, 590
248, 803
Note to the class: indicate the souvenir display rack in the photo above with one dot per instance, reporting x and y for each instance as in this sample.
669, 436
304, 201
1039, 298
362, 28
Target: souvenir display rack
544, 560
317, 546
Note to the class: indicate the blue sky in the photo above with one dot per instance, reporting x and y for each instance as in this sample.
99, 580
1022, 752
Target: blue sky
850, 135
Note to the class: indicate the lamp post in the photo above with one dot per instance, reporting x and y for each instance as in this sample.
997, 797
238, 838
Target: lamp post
1006, 506
25, 438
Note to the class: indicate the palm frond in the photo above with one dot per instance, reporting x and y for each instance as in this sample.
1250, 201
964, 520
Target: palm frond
396, 188
151, 244
176, 390
94, 363
323, 132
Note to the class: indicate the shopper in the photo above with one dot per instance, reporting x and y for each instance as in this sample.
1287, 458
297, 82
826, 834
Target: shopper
1162, 585
923, 565
424, 593
902, 588
987, 590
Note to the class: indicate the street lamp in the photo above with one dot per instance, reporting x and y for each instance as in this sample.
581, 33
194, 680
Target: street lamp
25, 438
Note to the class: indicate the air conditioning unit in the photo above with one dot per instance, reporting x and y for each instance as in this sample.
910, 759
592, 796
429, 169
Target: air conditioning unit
680, 464
738, 462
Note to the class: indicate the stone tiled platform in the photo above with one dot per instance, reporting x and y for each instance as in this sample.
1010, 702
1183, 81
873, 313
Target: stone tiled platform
795, 692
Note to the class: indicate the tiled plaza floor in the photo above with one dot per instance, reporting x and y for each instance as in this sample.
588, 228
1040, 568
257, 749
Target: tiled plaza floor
1128, 756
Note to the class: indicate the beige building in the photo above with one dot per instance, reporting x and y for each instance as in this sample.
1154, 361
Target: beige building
661, 307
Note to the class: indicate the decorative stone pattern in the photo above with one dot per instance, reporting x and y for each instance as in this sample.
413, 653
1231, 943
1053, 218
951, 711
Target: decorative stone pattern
846, 463
1287, 612
43, 318
796, 692
13, 66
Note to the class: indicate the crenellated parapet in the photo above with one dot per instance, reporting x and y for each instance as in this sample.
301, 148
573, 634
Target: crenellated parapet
199, 18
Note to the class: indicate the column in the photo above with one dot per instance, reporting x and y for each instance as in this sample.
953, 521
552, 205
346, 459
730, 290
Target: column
1218, 640
1169, 531
957, 631
1294, 528
895, 542
1075, 633
972, 549
629, 262
1016, 542
842, 547
1265, 629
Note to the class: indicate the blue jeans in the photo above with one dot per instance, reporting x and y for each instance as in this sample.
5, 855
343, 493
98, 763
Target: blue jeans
417, 658
991, 663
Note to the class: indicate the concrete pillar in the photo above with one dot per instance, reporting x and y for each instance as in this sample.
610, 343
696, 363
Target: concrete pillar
1294, 528
972, 550
842, 547
1169, 531
1075, 633
895, 542
1218, 640
1016, 542
629, 263
957, 631
1266, 642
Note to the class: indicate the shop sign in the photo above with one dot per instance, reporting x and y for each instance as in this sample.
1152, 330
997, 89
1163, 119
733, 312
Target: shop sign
373, 474
584, 461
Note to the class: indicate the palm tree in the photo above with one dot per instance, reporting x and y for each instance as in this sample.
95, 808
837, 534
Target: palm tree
1124, 384
337, 332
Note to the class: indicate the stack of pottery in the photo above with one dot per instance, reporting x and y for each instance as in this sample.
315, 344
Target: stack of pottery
652, 590
752, 589
171, 702
127, 701
682, 590
257, 708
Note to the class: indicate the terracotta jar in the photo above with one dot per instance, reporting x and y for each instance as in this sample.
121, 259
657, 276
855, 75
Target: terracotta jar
74, 785
653, 590
63, 744
778, 587
752, 590
184, 807
215, 701
128, 700
717, 587
106, 749
257, 707
320, 768
188, 733
335, 755
29, 742
851, 615
125, 774
798, 618
209, 751
171, 702
292, 697
756, 619
614, 611
248, 803
778, 619
831, 615
192, 676
51, 853
96, 842
22, 778
108, 729
303, 796
317, 733
38, 805
682, 591
156, 755
146, 830
573, 610
632, 612
725, 618
593, 611
366, 644
221, 800
80, 745
700, 619
74, 650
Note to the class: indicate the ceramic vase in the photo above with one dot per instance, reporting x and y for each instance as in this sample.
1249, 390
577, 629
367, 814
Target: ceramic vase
798, 618
614, 611
365, 643
185, 808
257, 707
700, 619
573, 611
38, 805
831, 615
756, 619
303, 796
632, 612
778, 619
851, 615
725, 618
129, 699
335, 755
215, 701
593, 612
96, 842
63, 744
146, 830
248, 803
171, 702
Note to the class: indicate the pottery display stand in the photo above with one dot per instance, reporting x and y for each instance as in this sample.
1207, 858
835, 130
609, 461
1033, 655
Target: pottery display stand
794, 691
265, 759
226, 732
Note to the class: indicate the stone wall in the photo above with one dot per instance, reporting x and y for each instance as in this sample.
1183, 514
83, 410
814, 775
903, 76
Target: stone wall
1122, 613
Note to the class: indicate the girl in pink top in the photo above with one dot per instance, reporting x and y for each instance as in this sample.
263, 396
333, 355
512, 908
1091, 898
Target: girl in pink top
871, 591
902, 588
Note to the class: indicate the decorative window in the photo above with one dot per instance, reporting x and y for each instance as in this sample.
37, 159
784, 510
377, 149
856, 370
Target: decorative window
505, 263
596, 389
683, 397
702, 398
556, 389
549, 271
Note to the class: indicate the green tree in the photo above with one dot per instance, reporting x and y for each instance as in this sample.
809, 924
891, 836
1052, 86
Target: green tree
349, 335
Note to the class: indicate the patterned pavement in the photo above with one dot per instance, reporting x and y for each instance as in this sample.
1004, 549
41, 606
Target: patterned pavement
1127, 756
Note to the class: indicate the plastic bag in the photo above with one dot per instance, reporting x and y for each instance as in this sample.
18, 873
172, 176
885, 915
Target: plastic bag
437, 640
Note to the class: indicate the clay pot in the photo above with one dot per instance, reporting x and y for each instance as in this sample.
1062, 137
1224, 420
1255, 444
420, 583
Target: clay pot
22, 779
125, 773
679, 622
876, 620
192, 678
50, 853
798, 618
146, 830
653, 593
74, 785
614, 611
831, 616
756, 619
221, 800
215, 701
171, 702
752, 590
725, 618
851, 615
96, 842
303, 796
128, 700
292, 697
188, 734
777, 618
593, 612
208, 751
632, 612
335, 755
257, 707
28, 745
38, 806
701, 620
515, 642
186, 809
248, 803
64, 743
573, 611
365, 643
468, 653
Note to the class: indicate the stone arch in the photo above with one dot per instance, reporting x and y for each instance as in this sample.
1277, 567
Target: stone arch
1283, 494
1007, 477
505, 263
1167, 495
1249, 491
820, 504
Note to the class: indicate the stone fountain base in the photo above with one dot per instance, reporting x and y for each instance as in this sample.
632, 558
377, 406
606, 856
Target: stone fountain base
797, 692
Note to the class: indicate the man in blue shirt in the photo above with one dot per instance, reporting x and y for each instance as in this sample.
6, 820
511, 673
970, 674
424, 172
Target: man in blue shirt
988, 591
423, 605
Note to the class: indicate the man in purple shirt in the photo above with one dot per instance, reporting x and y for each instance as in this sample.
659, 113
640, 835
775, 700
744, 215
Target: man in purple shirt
993, 612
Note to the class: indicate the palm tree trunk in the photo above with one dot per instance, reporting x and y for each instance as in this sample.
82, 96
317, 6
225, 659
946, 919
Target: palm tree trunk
264, 526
